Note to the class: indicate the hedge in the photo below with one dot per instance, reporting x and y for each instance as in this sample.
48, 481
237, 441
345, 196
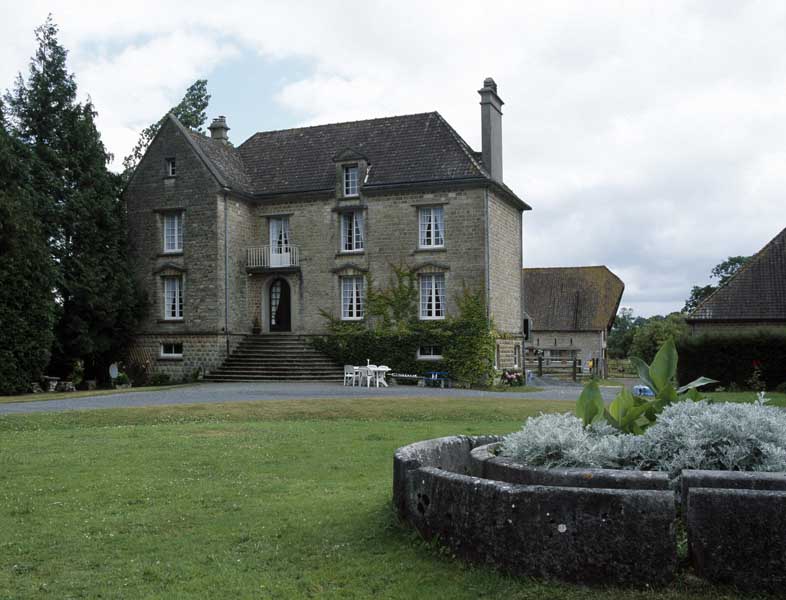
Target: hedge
731, 358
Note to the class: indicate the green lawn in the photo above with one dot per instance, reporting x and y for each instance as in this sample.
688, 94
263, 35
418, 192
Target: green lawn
84, 394
285, 499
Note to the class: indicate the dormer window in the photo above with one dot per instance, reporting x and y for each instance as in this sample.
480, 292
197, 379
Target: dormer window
171, 167
351, 180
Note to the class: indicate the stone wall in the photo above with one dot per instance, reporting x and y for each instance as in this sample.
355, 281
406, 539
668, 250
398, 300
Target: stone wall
588, 535
505, 267
592, 525
203, 352
505, 353
589, 344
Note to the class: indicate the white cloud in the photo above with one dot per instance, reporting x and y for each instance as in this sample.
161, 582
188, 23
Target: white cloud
647, 136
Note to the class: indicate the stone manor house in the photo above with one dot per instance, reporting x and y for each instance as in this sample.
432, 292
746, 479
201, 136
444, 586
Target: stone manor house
266, 235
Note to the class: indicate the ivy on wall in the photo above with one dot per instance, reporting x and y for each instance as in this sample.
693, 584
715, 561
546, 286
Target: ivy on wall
392, 333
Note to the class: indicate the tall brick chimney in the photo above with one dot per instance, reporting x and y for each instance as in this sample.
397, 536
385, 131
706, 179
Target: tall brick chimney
491, 127
219, 130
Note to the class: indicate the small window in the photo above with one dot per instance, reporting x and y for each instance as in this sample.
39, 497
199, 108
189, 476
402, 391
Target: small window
352, 231
351, 180
496, 358
171, 167
430, 352
432, 227
352, 298
432, 296
172, 350
173, 298
537, 343
173, 232
516, 356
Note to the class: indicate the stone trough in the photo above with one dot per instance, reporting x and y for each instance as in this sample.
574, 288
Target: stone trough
591, 525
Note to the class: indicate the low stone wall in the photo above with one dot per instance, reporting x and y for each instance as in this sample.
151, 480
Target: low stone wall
489, 466
577, 534
738, 536
591, 525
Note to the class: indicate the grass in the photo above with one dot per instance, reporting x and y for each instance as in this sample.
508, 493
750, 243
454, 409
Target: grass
84, 394
276, 499
517, 389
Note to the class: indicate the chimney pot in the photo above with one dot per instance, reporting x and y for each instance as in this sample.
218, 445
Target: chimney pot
219, 130
491, 128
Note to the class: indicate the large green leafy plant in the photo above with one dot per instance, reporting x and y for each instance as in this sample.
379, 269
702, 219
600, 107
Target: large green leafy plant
634, 414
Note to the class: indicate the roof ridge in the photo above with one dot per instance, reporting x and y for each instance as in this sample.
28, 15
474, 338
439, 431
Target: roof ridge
333, 124
748, 265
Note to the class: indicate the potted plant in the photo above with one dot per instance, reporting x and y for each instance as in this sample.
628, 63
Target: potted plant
256, 328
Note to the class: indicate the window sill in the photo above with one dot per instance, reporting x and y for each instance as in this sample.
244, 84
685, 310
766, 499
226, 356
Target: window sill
431, 249
430, 358
172, 253
350, 253
432, 318
352, 319
171, 320
171, 358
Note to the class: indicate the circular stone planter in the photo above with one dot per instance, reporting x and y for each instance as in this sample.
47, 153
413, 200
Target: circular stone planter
591, 525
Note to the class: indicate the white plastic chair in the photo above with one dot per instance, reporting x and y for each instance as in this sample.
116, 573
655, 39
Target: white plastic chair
364, 373
350, 374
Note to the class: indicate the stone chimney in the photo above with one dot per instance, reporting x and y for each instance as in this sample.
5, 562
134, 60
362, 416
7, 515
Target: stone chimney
491, 128
219, 129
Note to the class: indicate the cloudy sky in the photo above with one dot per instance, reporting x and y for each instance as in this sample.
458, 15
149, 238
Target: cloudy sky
647, 136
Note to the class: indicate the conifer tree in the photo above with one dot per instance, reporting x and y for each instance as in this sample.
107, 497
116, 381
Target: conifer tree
27, 274
84, 215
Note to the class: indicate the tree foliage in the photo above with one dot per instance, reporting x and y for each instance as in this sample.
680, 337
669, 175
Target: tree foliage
622, 332
27, 273
722, 272
652, 334
84, 218
190, 111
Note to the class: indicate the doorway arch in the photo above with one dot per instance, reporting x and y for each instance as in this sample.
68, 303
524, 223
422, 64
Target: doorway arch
280, 303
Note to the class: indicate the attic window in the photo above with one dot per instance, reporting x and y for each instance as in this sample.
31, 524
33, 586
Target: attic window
351, 180
170, 167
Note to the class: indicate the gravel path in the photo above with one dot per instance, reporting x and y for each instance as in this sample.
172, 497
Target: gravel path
252, 392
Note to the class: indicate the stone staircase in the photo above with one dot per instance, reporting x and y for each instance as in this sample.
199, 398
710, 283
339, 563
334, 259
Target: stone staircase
277, 357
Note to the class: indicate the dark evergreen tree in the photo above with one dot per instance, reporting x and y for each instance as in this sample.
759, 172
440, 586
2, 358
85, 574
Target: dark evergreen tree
98, 304
190, 111
722, 272
27, 274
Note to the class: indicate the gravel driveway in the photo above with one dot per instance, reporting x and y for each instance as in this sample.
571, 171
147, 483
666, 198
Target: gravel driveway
251, 392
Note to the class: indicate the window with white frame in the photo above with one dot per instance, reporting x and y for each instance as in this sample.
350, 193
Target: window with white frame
496, 358
430, 352
432, 227
352, 231
516, 356
173, 232
173, 297
171, 167
351, 180
432, 296
172, 350
352, 298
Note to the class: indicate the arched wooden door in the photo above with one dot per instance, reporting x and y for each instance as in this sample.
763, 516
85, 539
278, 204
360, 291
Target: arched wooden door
280, 306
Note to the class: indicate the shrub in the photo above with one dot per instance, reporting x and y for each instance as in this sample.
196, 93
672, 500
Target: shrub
688, 435
512, 377
122, 379
781, 388
731, 359
160, 378
392, 333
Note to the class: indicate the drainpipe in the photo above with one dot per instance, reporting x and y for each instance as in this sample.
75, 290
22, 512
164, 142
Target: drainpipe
226, 272
488, 257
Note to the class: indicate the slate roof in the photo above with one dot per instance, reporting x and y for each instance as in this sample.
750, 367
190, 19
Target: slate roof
757, 292
409, 149
572, 298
